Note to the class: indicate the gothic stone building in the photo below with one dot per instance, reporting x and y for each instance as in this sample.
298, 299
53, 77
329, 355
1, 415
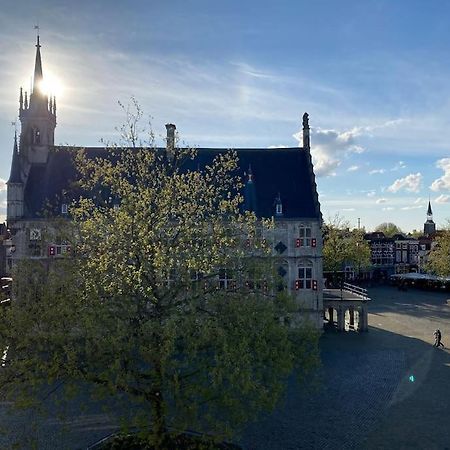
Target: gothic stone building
280, 183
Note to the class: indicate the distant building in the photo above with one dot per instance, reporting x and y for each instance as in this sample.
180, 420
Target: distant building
280, 183
400, 253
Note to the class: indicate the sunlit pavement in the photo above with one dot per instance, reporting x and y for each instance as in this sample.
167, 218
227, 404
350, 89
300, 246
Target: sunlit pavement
385, 389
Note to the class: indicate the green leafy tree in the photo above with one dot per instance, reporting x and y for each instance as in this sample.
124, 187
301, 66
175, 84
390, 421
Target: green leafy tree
343, 246
159, 301
389, 229
438, 261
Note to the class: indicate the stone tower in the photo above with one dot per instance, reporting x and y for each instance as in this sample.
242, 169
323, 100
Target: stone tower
37, 116
429, 227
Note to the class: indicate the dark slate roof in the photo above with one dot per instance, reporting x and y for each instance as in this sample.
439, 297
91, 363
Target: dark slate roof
14, 176
287, 171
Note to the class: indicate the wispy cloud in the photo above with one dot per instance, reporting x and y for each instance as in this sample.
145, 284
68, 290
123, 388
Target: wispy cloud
388, 208
406, 208
443, 199
352, 168
411, 183
398, 166
375, 171
442, 183
380, 201
2, 185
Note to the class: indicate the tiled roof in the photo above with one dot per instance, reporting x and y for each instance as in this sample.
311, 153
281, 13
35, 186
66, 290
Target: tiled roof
287, 171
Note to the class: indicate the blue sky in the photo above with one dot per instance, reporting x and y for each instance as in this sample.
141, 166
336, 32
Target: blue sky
374, 77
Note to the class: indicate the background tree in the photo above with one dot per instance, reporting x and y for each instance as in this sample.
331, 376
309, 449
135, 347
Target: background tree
389, 229
343, 246
138, 310
438, 261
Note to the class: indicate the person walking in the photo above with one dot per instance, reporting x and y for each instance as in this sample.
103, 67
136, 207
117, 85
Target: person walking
437, 339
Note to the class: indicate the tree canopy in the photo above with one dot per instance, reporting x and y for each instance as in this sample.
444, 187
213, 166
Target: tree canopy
159, 301
438, 261
344, 246
389, 229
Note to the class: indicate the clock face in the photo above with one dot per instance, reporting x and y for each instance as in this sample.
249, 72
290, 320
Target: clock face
35, 234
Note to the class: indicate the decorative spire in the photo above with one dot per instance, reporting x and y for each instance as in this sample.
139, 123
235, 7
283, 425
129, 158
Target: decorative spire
26, 100
14, 176
249, 192
37, 67
429, 211
250, 174
21, 99
278, 206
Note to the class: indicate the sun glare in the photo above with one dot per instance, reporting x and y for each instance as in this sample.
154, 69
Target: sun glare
51, 85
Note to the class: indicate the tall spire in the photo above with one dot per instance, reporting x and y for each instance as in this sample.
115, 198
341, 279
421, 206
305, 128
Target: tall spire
37, 80
429, 227
429, 211
14, 176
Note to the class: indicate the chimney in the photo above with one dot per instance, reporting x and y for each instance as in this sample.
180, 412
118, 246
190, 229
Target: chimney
170, 140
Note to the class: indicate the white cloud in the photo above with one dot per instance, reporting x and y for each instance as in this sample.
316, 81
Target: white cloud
442, 183
371, 194
2, 185
373, 172
399, 165
388, 208
380, 200
419, 200
443, 199
330, 147
348, 209
406, 208
277, 146
410, 183
352, 168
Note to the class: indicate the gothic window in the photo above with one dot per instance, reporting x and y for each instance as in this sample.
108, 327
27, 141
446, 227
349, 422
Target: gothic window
278, 209
64, 208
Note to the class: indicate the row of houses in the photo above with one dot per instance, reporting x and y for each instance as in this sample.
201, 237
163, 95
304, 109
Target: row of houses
398, 254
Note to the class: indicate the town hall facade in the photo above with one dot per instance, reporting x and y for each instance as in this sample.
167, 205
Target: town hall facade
279, 183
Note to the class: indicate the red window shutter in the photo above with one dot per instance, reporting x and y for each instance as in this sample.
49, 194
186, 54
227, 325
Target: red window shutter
314, 285
297, 243
313, 242
297, 285
51, 250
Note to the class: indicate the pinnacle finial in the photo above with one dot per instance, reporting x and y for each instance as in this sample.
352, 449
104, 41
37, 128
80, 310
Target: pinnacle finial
250, 174
305, 121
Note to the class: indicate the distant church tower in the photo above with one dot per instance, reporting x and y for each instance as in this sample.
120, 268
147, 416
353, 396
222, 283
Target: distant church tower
429, 227
38, 121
